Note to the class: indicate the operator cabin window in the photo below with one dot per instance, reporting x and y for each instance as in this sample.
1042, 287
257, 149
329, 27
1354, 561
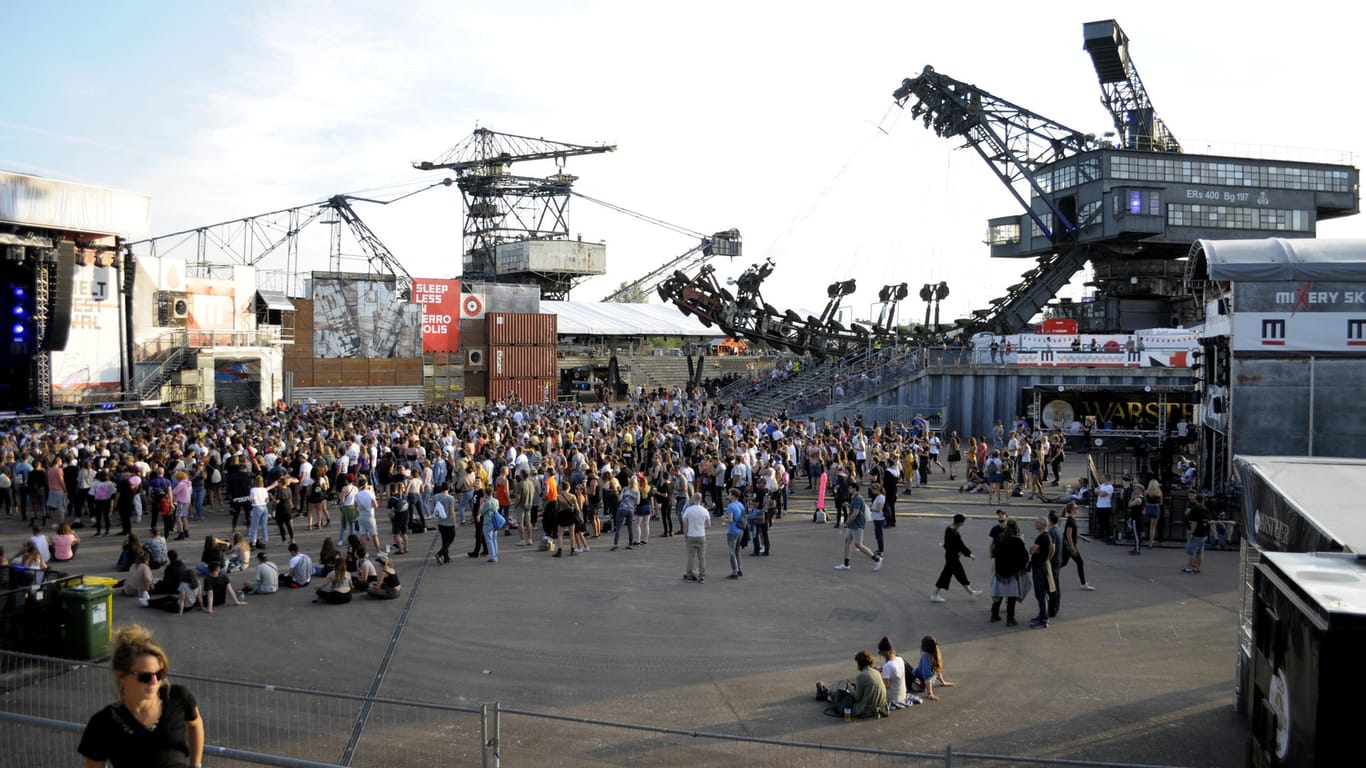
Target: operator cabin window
1003, 234
1138, 202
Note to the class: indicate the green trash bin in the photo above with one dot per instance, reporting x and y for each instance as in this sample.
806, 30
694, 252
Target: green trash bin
87, 616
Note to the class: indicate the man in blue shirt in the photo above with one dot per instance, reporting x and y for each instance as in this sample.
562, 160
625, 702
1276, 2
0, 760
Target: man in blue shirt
735, 516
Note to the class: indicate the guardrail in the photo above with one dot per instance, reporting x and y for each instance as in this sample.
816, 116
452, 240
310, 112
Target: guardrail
48, 701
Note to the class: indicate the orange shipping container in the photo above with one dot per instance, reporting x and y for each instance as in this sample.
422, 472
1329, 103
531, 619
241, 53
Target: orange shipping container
522, 329
529, 391
522, 362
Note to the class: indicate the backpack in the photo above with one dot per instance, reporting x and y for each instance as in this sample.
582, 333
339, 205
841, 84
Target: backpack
162, 505
101, 492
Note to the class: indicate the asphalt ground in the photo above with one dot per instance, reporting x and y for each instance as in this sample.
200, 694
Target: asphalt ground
1141, 670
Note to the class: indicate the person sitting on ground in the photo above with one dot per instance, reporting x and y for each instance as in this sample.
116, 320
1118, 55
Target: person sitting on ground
31, 560
215, 549
300, 569
930, 671
894, 676
171, 577
239, 554
1079, 494
64, 544
337, 589
387, 588
185, 596
363, 575
140, 579
217, 589
870, 694
157, 549
267, 577
128, 555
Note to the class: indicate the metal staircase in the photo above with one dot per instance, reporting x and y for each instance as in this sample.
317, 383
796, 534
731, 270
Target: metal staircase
169, 352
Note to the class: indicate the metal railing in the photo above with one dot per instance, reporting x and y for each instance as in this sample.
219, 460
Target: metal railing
48, 701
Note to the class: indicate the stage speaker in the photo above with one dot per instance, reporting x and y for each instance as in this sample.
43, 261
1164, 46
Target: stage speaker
59, 298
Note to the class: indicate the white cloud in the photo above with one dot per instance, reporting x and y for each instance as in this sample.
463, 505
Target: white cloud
754, 116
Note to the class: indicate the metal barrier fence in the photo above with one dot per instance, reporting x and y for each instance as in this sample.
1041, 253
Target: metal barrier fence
47, 701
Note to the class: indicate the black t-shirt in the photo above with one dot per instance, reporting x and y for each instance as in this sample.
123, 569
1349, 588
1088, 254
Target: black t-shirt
1070, 525
1199, 516
1044, 542
219, 585
115, 735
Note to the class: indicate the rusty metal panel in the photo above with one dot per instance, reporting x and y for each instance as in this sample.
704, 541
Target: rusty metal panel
408, 371
521, 329
301, 370
327, 372
529, 391
355, 371
521, 362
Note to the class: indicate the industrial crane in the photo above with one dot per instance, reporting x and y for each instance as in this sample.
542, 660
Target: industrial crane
1012, 140
1015, 143
725, 243
380, 258
503, 208
1122, 92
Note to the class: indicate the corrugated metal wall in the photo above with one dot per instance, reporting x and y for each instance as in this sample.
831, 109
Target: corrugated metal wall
522, 329
355, 396
974, 400
1298, 407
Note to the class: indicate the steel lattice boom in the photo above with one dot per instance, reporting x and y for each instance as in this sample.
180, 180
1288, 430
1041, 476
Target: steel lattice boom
1122, 90
1014, 141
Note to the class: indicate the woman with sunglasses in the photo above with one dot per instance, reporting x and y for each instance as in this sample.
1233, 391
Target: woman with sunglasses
153, 724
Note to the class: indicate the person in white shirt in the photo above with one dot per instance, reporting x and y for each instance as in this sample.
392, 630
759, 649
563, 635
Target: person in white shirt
365, 503
696, 521
894, 677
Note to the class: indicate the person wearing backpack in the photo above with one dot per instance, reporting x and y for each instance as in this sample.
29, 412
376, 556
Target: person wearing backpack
159, 496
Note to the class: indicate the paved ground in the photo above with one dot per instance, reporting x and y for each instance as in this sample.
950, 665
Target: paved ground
1140, 670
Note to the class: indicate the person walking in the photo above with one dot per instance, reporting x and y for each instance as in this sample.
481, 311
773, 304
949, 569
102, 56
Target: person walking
954, 550
853, 531
1070, 537
737, 523
696, 521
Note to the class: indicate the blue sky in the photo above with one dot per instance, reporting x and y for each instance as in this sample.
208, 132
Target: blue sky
726, 114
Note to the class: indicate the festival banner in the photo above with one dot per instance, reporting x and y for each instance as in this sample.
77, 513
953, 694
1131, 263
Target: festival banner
441, 308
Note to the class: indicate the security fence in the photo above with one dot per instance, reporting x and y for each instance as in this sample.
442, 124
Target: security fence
45, 702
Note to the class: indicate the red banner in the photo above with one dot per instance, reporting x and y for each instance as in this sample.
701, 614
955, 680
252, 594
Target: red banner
440, 300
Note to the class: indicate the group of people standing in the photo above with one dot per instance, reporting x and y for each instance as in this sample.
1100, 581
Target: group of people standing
1019, 567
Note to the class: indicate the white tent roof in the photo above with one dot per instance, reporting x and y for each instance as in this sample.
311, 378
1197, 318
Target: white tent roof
612, 319
1278, 259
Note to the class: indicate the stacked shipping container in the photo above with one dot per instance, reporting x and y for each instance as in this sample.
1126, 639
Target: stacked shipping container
521, 356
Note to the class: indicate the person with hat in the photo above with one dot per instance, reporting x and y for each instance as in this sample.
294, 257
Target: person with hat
954, 549
387, 587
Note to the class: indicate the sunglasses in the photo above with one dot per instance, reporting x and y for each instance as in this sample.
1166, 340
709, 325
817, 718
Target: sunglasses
147, 677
